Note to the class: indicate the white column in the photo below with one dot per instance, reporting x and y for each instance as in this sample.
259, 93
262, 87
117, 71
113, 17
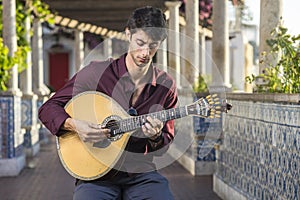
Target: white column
79, 49
10, 39
26, 75
192, 42
161, 56
202, 61
38, 65
174, 39
29, 119
108, 48
220, 44
270, 13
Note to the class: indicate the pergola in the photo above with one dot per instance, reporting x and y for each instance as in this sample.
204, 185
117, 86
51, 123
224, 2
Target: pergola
105, 13
103, 17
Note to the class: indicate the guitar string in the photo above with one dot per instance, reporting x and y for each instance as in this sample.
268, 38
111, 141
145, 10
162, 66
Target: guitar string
138, 119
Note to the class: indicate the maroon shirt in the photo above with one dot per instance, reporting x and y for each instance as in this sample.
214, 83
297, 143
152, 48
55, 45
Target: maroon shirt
112, 78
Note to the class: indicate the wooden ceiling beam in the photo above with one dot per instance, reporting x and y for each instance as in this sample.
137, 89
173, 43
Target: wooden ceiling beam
102, 4
86, 14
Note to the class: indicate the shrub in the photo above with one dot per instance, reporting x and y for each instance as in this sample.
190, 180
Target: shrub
282, 76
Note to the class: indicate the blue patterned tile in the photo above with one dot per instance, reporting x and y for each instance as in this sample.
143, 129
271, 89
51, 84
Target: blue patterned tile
26, 112
262, 142
10, 120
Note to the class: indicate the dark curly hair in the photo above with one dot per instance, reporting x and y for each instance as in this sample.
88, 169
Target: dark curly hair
151, 20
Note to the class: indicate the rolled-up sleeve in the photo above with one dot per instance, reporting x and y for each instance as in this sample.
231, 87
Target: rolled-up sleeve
52, 113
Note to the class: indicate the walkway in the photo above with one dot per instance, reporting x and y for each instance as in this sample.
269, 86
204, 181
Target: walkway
49, 181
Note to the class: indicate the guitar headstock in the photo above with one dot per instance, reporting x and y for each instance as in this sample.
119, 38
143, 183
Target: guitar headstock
210, 106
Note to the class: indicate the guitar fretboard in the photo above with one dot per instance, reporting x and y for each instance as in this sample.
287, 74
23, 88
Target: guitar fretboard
133, 123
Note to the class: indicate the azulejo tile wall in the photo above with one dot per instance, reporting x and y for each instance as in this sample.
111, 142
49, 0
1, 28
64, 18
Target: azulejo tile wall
196, 137
11, 137
260, 154
208, 133
29, 120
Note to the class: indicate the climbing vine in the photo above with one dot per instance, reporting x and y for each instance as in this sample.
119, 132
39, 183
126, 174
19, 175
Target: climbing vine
24, 9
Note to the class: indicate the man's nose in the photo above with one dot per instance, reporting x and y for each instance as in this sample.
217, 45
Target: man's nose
145, 51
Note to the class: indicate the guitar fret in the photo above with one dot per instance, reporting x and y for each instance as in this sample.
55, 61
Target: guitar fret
167, 115
177, 111
162, 116
172, 113
124, 128
131, 124
143, 120
139, 121
183, 111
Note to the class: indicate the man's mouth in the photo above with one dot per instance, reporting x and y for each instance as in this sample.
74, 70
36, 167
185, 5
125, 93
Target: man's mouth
144, 60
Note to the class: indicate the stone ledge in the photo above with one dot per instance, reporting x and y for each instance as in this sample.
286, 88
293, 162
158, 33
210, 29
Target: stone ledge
286, 98
12, 166
224, 191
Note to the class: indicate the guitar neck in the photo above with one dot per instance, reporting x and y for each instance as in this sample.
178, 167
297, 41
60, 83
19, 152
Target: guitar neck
203, 107
133, 123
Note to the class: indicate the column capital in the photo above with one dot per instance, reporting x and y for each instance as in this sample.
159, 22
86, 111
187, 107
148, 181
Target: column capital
173, 4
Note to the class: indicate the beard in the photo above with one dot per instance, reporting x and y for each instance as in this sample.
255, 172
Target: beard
140, 62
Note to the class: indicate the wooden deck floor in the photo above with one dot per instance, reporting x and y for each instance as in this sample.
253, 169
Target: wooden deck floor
49, 181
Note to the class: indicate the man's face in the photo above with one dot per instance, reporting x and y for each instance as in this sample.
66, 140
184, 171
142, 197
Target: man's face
142, 48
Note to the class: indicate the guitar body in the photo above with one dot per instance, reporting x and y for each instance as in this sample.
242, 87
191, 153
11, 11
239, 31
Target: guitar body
87, 161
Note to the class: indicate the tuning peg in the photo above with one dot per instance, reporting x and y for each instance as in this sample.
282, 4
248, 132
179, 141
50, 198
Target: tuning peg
217, 99
214, 116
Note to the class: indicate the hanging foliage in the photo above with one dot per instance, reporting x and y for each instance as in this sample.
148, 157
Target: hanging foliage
24, 9
205, 12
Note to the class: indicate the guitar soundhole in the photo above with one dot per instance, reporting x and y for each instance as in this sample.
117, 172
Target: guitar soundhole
113, 125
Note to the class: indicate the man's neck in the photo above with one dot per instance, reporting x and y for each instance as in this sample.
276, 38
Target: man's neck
139, 75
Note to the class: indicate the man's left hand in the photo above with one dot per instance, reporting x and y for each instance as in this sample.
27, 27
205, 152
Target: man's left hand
152, 128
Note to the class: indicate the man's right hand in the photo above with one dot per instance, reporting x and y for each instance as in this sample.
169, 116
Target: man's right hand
87, 131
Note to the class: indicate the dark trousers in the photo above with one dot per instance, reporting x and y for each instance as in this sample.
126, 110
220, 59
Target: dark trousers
150, 185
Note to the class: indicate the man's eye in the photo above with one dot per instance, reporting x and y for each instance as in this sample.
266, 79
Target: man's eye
153, 46
140, 44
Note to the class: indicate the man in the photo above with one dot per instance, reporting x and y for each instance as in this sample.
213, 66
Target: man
138, 86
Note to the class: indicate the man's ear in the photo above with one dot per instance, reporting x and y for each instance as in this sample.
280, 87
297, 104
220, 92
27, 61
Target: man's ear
128, 34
